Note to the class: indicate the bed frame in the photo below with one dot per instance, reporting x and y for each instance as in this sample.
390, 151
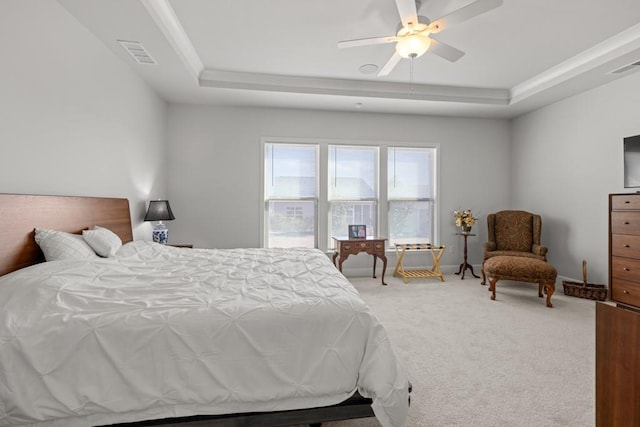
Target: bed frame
20, 214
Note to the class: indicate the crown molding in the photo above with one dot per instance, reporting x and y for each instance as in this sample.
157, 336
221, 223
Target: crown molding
345, 87
166, 19
600, 54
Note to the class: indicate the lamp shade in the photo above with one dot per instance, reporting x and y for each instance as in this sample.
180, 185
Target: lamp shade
413, 46
159, 210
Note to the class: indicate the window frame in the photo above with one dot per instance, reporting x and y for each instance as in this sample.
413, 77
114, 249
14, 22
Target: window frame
432, 199
376, 190
323, 240
265, 206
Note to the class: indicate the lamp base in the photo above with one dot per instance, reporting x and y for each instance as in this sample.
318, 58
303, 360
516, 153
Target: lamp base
160, 234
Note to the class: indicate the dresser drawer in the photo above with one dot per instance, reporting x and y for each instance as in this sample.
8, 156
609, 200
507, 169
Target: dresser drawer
346, 246
625, 269
625, 222
625, 202
625, 245
355, 246
363, 245
625, 292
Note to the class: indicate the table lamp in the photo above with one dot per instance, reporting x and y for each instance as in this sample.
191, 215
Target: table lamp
159, 210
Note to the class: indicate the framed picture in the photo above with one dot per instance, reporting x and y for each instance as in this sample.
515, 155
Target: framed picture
357, 231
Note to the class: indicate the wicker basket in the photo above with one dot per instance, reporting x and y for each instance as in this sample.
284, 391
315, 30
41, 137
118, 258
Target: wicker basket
584, 289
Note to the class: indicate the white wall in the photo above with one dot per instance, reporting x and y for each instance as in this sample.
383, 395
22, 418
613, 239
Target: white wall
214, 167
567, 158
76, 120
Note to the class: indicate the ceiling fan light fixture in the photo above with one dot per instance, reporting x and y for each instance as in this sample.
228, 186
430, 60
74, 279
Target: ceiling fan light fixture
413, 46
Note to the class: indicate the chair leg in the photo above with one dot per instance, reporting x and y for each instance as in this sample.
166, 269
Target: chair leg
484, 277
540, 286
492, 287
549, 289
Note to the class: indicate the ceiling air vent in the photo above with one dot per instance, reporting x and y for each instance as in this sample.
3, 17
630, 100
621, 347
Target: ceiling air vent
625, 68
138, 52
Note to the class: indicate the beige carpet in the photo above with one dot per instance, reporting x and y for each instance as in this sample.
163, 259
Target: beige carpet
477, 362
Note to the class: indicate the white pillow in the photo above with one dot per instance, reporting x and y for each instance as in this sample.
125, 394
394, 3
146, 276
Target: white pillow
103, 241
58, 245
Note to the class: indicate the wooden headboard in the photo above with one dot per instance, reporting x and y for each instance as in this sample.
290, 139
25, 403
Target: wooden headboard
20, 214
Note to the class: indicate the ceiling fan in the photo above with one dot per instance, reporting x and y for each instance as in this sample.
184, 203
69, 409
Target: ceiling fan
413, 37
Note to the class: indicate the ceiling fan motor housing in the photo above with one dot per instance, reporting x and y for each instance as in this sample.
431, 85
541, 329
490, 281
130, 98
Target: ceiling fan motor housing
414, 41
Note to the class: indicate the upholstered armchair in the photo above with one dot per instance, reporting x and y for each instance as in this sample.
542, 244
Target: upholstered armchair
513, 233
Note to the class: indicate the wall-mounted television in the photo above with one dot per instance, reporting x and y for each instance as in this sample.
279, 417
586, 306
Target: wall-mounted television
632, 161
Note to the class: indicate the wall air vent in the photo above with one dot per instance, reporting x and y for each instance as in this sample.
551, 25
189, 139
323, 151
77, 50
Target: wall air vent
138, 52
625, 68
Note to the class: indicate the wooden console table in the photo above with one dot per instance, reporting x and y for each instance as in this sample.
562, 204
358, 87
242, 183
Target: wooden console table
433, 272
373, 246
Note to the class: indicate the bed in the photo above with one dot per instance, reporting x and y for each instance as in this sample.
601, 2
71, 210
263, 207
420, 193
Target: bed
143, 336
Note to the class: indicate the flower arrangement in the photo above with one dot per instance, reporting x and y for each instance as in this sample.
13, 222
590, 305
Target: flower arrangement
465, 218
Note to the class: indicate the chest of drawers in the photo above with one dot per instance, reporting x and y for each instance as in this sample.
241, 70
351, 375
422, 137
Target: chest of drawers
618, 322
624, 249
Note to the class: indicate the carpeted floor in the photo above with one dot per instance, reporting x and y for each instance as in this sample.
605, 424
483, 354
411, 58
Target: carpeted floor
476, 362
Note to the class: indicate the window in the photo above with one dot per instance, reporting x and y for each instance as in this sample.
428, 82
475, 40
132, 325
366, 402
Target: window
410, 194
352, 188
291, 195
313, 190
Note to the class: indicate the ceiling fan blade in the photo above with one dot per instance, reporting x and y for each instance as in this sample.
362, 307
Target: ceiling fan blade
445, 51
408, 12
463, 14
390, 65
367, 41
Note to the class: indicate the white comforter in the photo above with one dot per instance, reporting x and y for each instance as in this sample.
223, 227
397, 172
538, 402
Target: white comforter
162, 332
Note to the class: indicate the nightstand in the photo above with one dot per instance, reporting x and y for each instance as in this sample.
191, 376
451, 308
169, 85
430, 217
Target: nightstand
180, 246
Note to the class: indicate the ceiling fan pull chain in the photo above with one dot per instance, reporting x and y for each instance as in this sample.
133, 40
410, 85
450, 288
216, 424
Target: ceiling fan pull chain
411, 77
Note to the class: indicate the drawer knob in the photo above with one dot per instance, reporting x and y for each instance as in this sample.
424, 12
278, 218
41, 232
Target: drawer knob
626, 223
625, 291
627, 246
625, 269
627, 201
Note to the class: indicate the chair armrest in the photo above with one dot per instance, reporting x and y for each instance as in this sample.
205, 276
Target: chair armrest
539, 250
489, 246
